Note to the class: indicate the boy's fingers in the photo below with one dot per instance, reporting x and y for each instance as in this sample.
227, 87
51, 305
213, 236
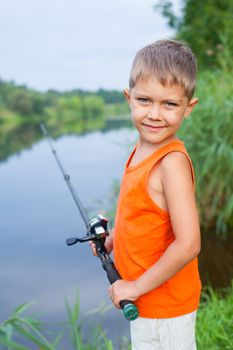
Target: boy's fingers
93, 248
112, 297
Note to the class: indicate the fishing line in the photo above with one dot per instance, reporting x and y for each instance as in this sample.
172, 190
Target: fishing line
66, 177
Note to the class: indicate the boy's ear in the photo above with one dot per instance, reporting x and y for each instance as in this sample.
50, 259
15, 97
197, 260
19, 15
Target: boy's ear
127, 95
192, 103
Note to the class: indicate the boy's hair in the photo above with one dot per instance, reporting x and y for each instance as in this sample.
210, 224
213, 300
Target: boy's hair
169, 61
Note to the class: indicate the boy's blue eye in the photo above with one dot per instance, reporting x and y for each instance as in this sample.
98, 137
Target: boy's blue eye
143, 100
170, 104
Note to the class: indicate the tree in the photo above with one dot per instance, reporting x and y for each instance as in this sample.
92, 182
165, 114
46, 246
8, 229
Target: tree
206, 25
93, 106
21, 102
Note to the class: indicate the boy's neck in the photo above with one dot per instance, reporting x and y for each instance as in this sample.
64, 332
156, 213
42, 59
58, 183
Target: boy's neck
144, 150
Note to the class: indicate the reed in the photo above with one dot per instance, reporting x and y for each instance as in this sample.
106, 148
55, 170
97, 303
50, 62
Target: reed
214, 328
208, 138
20, 332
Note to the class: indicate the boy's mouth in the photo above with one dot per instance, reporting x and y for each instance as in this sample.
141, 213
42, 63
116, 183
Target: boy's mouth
154, 127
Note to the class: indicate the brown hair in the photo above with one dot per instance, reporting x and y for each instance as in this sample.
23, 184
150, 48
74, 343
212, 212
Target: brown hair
170, 61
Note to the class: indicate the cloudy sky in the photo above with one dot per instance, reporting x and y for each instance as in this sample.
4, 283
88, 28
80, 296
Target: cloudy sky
67, 44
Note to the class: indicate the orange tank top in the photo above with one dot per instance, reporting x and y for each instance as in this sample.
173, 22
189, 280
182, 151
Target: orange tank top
142, 233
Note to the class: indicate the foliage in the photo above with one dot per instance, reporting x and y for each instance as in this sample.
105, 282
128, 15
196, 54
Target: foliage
108, 96
20, 332
208, 137
28, 103
205, 25
21, 102
214, 329
28, 328
111, 96
70, 104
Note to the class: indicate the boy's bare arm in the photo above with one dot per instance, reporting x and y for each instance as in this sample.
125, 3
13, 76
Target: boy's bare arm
179, 193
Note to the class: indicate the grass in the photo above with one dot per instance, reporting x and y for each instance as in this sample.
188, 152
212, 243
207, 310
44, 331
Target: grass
215, 320
19, 329
214, 329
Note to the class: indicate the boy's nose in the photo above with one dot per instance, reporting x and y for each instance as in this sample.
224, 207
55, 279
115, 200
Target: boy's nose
154, 113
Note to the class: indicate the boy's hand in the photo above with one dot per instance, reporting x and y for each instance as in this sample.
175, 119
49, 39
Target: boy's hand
123, 290
108, 246
93, 248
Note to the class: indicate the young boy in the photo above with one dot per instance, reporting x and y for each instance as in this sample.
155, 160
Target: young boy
156, 238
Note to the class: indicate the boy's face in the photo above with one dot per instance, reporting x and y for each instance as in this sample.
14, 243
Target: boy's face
157, 110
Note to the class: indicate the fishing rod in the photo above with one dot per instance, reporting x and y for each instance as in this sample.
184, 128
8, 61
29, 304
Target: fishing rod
97, 231
66, 178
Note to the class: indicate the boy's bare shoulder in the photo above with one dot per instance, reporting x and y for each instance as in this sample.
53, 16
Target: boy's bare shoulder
175, 163
174, 157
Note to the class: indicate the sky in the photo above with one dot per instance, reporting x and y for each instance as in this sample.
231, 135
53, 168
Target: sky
70, 44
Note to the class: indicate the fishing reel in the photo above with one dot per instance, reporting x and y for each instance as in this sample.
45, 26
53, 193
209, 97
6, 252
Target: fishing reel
97, 232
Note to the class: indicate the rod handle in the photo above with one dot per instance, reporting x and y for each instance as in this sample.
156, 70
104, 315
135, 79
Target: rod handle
129, 309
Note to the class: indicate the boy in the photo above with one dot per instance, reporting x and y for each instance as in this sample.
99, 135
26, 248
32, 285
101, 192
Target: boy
156, 238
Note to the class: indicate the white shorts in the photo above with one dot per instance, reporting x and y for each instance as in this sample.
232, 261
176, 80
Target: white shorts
176, 333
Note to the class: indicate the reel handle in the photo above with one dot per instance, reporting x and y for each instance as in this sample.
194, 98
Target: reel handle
129, 309
74, 240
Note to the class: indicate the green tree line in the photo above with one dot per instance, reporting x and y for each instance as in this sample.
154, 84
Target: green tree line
27, 102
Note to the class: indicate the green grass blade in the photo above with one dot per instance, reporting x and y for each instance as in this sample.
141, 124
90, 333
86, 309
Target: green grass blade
11, 344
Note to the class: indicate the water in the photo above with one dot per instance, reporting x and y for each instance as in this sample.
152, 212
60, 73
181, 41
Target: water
38, 214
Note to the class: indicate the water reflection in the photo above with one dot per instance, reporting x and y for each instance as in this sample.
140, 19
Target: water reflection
16, 139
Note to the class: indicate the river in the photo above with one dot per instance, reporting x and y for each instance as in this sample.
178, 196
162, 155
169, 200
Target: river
38, 214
